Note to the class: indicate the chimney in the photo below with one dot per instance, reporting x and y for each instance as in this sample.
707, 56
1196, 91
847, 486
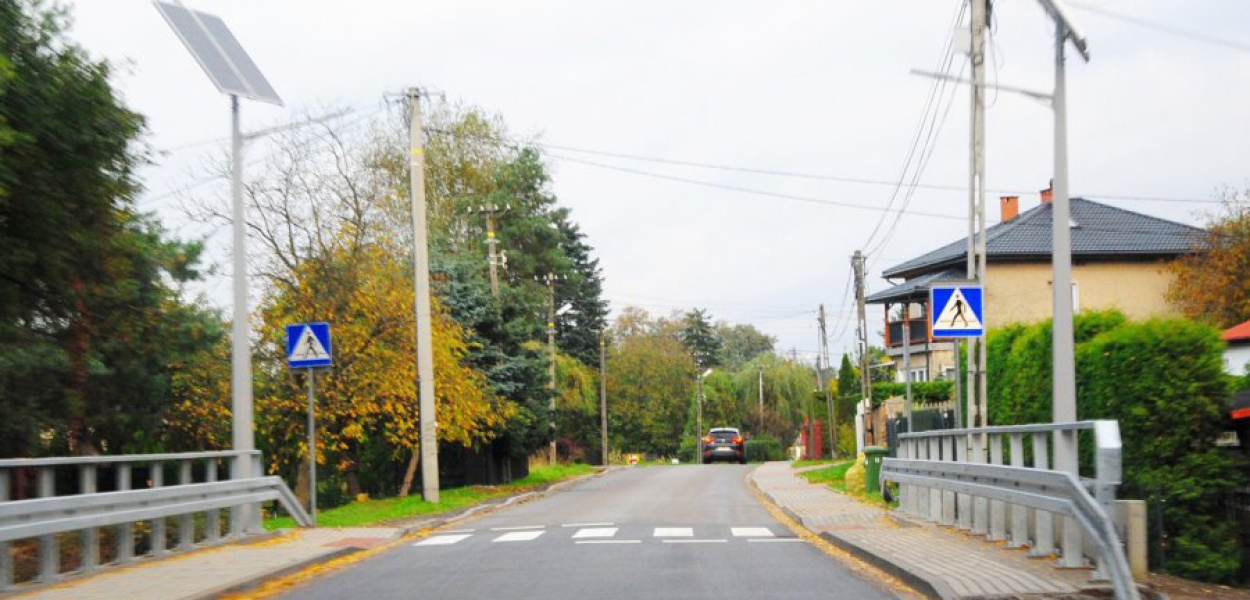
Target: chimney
1048, 194
1010, 207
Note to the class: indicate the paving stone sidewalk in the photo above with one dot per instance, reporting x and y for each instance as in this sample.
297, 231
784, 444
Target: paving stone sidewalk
939, 561
210, 572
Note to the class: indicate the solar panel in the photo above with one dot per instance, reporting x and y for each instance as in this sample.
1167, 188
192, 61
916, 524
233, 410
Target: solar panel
219, 53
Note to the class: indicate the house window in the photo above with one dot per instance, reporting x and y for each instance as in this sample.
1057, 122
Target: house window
919, 375
948, 373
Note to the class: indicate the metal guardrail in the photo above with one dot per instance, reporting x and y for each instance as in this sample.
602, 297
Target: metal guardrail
977, 479
62, 494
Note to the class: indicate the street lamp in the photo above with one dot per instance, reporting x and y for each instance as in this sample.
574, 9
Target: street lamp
698, 419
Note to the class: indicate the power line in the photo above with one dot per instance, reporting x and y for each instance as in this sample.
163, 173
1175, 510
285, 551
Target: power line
936, 90
518, 144
1199, 37
743, 190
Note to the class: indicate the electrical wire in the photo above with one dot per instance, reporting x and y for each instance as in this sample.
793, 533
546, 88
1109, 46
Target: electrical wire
1199, 37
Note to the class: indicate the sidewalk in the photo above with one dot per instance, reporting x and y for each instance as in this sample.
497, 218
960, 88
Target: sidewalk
938, 561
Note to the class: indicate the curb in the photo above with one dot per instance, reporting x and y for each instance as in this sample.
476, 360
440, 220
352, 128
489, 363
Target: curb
925, 585
259, 580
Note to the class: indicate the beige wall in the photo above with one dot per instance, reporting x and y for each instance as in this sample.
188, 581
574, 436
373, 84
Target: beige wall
1021, 292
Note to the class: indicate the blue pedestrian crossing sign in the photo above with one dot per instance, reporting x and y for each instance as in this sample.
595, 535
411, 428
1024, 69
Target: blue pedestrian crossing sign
956, 310
308, 345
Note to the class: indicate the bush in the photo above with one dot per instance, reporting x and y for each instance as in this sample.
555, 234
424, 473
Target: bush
764, 448
922, 392
1162, 380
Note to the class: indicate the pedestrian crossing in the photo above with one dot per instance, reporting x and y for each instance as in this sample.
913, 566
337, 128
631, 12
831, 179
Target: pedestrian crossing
608, 534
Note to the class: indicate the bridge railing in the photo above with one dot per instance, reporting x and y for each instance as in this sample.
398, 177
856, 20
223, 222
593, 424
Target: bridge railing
1001, 482
130, 499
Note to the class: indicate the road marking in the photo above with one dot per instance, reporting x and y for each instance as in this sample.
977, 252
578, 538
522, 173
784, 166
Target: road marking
778, 540
604, 532
763, 532
608, 542
460, 531
518, 536
517, 528
442, 540
674, 532
588, 524
696, 541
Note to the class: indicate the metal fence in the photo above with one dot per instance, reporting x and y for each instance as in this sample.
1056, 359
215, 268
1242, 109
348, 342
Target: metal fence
1000, 482
131, 500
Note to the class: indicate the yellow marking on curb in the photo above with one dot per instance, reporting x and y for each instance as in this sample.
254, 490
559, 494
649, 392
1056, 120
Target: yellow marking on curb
854, 563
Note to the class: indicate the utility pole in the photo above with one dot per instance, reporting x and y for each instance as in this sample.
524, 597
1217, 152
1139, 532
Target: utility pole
976, 213
824, 353
865, 378
907, 364
761, 397
603, 397
491, 245
421, 277
550, 278
698, 422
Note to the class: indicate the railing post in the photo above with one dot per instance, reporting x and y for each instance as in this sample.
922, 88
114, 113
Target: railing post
158, 525
49, 549
1019, 514
91, 536
1071, 543
935, 495
980, 504
236, 512
1043, 522
998, 508
6, 556
905, 490
963, 520
125, 531
212, 521
186, 526
1107, 472
258, 470
947, 450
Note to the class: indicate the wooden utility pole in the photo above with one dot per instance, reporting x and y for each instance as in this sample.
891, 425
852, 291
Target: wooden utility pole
551, 350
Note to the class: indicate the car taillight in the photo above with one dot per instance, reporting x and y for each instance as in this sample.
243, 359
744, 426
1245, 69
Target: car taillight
708, 440
737, 439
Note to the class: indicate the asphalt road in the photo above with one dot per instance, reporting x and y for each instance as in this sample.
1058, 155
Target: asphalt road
641, 533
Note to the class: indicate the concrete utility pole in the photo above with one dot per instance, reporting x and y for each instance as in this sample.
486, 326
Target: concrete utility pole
491, 245
243, 437
865, 378
824, 352
421, 278
976, 211
603, 397
550, 278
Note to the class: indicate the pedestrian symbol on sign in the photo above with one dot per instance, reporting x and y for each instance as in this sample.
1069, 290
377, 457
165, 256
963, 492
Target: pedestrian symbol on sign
958, 311
308, 345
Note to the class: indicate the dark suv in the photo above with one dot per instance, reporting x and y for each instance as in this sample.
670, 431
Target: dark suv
724, 443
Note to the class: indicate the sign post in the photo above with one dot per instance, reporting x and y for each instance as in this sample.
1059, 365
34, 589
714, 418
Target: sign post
957, 310
308, 348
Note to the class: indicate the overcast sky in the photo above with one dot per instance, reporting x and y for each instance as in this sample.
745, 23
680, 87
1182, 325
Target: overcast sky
808, 88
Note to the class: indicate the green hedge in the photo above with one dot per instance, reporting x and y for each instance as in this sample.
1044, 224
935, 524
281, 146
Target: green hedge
923, 392
763, 448
1162, 380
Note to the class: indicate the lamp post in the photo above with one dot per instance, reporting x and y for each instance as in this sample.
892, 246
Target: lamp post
698, 418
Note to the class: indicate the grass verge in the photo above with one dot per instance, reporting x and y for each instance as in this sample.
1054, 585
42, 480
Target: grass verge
799, 464
381, 510
834, 476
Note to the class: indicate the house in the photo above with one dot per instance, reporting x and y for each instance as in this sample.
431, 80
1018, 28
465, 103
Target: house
1237, 355
1119, 260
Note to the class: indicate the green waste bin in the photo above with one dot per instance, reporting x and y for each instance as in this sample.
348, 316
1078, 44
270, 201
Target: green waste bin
872, 467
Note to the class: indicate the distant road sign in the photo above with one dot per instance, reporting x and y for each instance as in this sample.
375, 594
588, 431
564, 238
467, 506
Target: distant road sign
308, 345
957, 310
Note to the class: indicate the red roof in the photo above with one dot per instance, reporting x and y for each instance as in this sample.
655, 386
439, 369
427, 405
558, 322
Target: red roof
1237, 332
